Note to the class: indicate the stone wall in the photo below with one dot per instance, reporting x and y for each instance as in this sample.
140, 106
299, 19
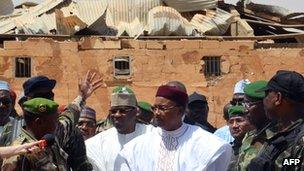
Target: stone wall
153, 62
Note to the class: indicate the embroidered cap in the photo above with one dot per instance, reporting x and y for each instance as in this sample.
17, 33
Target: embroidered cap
123, 96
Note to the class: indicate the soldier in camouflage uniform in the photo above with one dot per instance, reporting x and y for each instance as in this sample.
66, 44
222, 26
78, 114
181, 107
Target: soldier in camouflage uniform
254, 139
284, 103
6, 104
42, 86
41, 118
8, 125
239, 125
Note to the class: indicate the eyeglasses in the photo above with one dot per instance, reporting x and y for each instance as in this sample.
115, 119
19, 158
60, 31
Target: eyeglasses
161, 108
250, 104
121, 110
86, 123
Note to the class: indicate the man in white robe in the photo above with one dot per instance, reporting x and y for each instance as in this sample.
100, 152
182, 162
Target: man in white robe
174, 145
103, 148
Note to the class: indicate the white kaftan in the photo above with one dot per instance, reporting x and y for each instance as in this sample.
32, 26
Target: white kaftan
103, 148
189, 148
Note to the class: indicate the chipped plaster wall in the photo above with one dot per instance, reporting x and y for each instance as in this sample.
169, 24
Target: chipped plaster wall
154, 62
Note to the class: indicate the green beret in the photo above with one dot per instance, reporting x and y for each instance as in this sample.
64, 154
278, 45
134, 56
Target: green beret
237, 110
145, 106
251, 89
40, 106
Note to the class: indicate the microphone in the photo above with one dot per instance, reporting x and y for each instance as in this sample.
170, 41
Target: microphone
47, 141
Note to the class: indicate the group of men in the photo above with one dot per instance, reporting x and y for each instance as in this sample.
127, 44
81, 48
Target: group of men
266, 124
265, 128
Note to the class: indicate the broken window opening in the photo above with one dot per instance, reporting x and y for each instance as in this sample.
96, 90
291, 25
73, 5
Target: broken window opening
122, 66
212, 66
22, 67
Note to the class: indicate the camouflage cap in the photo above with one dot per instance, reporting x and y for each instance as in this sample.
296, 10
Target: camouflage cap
145, 106
40, 106
251, 90
237, 110
123, 96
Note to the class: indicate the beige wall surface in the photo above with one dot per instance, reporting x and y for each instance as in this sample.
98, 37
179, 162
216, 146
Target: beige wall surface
153, 62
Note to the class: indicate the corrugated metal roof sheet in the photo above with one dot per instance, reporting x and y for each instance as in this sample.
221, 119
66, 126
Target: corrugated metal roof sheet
27, 16
128, 10
115, 17
90, 11
191, 5
213, 23
167, 21
129, 16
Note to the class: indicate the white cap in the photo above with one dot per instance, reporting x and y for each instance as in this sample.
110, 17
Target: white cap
4, 85
240, 85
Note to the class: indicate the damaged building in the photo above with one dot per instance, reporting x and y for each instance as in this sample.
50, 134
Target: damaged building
145, 43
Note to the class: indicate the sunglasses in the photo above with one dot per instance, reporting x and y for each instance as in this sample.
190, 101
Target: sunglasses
121, 110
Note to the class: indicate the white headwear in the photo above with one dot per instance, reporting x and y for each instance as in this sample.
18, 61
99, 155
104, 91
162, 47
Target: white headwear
240, 85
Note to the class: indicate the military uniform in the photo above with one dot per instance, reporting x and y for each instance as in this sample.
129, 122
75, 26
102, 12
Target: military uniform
74, 145
286, 142
103, 125
54, 158
251, 145
233, 111
254, 139
10, 132
278, 146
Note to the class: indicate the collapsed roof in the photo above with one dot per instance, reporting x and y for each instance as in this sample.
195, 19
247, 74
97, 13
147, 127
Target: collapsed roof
152, 17
119, 17
274, 18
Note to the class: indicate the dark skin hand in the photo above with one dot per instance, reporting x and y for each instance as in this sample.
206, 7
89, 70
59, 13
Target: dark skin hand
87, 85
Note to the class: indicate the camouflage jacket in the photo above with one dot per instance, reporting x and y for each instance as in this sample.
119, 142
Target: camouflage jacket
236, 149
11, 131
289, 144
251, 145
74, 144
56, 157
53, 158
103, 125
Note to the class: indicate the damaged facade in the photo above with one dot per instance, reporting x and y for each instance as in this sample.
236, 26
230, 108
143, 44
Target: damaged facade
211, 67
206, 44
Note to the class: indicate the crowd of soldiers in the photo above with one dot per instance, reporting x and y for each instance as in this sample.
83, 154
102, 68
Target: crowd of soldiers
264, 128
